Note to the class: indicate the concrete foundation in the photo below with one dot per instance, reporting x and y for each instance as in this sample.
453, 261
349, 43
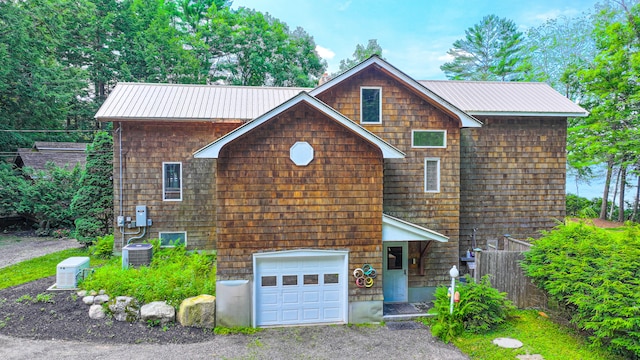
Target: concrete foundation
365, 312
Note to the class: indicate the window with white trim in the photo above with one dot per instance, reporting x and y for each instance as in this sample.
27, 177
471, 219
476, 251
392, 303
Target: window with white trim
172, 239
432, 175
429, 138
370, 105
172, 181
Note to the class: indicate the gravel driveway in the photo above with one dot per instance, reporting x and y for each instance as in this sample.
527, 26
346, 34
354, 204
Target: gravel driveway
318, 342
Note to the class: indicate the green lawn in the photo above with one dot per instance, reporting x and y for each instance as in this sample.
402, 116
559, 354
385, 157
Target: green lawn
539, 334
39, 267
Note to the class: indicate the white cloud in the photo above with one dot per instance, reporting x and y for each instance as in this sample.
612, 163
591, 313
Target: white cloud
325, 53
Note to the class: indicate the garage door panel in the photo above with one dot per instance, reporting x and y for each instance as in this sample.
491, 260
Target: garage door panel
312, 315
269, 298
311, 297
307, 290
290, 297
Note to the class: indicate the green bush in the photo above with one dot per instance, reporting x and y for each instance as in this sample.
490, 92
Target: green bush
480, 309
595, 273
173, 276
103, 247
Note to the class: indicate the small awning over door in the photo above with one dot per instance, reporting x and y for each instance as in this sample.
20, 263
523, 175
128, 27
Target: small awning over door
394, 229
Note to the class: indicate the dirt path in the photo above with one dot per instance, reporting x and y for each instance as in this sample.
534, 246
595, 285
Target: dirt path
14, 249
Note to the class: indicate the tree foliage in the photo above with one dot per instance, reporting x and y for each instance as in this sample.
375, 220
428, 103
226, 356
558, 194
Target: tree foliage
491, 50
611, 134
92, 204
360, 54
61, 58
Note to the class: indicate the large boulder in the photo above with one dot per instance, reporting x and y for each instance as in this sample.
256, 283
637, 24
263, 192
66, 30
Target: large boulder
198, 311
96, 312
124, 308
158, 311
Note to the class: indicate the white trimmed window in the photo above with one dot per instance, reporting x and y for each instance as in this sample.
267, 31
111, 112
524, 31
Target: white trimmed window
429, 138
172, 239
172, 181
370, 105
432, 175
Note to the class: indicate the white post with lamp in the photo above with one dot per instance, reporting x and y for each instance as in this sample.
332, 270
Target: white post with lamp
454, 274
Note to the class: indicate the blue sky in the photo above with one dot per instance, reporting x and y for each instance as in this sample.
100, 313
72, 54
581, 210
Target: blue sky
414, 34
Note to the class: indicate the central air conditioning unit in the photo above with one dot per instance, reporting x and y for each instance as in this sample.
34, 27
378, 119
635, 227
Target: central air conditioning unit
70, 271
134, 255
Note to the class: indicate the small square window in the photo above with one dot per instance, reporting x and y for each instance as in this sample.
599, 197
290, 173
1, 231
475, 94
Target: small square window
268, 281
172, 181
331, 278
371, 105
429, 138
288, 280
432, 175
311, 279
172, 239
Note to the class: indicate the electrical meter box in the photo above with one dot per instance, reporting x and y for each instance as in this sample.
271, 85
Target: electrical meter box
141, 215
70, 271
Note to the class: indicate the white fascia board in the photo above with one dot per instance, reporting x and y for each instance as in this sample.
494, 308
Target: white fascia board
212, 150
528, 114
466, 119
394, 229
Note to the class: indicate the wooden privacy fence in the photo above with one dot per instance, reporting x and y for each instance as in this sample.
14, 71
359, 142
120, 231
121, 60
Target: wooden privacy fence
506, 275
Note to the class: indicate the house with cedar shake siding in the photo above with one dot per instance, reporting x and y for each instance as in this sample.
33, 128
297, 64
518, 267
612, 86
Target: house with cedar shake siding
323, 204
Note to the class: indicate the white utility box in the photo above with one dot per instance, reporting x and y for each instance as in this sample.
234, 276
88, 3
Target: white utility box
70, 271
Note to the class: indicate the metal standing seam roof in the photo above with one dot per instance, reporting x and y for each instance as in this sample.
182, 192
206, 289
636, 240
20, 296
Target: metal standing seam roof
505, 98
143, 101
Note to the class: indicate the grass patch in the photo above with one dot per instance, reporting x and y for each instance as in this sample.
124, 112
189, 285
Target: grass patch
173, 276
539, 335
40, 267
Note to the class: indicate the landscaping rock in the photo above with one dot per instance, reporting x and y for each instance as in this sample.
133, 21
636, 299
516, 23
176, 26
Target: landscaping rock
158, 311
93, 293
124, 308
101, 292
96, 312
82, 293
508, 343
88, 300
100, 299
530, 357
198, 311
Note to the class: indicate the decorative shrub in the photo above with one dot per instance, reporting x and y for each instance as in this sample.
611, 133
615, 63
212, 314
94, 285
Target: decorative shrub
173, 276
103, 247
596, 274
480, 309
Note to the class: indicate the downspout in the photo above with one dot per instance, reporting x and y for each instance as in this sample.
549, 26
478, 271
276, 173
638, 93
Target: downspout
120, 178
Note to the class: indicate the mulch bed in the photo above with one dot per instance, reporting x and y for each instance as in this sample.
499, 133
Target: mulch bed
67, 318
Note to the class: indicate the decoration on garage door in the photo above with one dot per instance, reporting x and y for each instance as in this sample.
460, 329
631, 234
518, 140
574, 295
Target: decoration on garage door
364, 276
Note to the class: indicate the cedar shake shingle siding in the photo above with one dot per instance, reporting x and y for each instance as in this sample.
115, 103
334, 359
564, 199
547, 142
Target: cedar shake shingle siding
145, 146
404, 196
267, 203
512, 178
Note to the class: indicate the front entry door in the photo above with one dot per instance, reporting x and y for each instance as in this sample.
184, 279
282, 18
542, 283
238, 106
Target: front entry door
394, 274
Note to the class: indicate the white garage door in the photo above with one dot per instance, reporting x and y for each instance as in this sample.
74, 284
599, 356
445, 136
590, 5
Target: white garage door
300, 287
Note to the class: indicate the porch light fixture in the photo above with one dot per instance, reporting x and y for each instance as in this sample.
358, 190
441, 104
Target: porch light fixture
454, 274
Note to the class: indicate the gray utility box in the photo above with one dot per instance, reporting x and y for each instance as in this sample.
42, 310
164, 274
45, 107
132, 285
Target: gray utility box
69, 271
136, 255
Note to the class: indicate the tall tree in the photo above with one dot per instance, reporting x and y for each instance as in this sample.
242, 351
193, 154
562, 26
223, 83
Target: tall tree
360, 54
247, 47
491, 50
559, 48
92, 204
612, 132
